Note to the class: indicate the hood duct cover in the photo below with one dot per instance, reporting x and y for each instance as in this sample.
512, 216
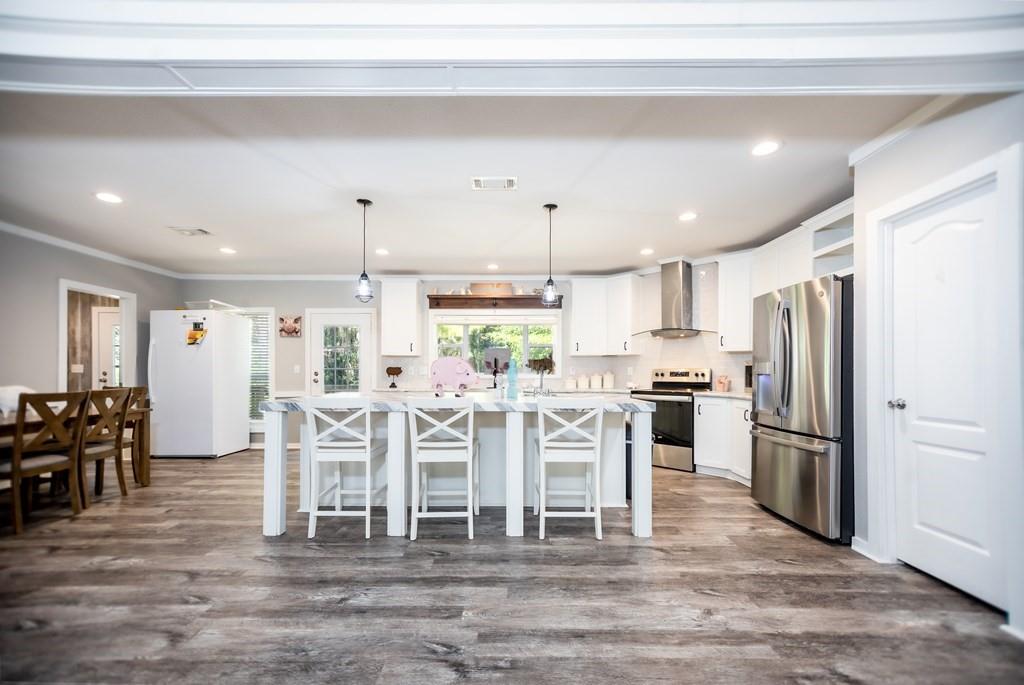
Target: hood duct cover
682, 301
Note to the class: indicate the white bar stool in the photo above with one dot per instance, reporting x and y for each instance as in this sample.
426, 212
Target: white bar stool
340, 432
570, 433
441, 432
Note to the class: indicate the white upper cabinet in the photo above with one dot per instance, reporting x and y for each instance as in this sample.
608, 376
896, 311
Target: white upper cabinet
400, 318
740, 444
796, 262
589, 318
734, 302
784, 261
624, 314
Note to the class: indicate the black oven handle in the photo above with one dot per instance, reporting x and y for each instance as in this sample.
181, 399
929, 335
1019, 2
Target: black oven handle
664, 398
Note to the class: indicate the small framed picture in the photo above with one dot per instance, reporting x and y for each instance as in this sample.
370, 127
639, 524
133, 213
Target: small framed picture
289, 326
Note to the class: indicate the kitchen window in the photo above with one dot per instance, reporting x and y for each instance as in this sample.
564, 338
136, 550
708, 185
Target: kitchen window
526, 336
261, 361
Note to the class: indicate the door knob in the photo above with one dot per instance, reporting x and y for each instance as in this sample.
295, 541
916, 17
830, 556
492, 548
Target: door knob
898, 403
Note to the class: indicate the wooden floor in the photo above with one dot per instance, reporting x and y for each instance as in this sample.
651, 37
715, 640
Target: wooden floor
175, 583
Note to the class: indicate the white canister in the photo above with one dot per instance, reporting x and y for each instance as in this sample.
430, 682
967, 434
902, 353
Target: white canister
608, 382
595, 381
583, 383
570, 383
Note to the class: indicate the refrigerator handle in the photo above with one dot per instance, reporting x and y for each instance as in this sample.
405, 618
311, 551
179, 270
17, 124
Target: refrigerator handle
786, 340
149, 371
775, 360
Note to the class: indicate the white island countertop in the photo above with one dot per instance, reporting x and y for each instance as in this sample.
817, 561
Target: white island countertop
394, 400
505, 431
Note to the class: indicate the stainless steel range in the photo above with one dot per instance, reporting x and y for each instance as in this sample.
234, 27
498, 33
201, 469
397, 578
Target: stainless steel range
672, 426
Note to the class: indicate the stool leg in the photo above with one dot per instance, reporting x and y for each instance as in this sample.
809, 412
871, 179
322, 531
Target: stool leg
469, 494
589, 472
543, 491
425, 494
314, 497
16, 504
536, 486
369, 489
415, 499
476, 480
597, 499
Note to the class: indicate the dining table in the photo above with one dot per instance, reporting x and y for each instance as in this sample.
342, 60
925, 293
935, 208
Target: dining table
138, 416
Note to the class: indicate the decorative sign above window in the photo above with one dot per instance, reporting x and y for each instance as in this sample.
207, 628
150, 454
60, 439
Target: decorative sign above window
486, 302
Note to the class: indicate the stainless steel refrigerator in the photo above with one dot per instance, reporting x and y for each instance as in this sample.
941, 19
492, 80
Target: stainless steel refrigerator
802, 447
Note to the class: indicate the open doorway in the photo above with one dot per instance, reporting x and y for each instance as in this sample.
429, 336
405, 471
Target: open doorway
97, 337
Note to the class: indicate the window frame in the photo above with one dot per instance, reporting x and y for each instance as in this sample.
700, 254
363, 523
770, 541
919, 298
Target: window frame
257, 425
484, 317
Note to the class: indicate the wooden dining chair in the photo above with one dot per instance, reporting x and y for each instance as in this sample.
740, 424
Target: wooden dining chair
52, 449
103, 439
133, 427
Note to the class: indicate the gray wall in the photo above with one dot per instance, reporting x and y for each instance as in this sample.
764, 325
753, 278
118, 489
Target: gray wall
971, 130
29, 275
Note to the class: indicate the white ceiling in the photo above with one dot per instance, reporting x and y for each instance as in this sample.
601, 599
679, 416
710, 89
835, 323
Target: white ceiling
277, 178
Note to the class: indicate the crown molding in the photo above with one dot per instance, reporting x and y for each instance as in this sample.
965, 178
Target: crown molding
917, 118
38, 236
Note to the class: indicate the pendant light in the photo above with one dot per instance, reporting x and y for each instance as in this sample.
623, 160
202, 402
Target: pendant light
549, 298
364, 289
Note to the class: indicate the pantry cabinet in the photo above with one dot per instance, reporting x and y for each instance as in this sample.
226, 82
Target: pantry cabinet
589, 317
400, 318
734, 302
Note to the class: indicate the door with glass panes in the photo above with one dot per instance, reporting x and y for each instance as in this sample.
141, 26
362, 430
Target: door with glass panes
341, 349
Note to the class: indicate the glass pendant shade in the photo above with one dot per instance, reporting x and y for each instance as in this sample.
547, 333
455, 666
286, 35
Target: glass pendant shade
549, 298
364, 289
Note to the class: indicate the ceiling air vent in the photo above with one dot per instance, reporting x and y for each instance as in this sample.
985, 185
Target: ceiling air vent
495, 183
189, 232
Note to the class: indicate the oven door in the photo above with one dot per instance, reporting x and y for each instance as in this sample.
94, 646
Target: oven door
672, 428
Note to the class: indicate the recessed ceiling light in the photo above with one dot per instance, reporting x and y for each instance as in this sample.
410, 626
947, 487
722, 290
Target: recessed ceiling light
688, 215
646, 251
109, 197
228, 250
765, 147
492, 267
382, 251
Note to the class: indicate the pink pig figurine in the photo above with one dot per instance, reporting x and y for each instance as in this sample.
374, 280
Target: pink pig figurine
454, 372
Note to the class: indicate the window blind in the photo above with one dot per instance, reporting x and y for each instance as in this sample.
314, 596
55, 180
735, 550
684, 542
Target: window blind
259, 362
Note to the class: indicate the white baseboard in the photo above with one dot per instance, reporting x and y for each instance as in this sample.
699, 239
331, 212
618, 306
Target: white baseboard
260, 445
861, 546
721, 473
1016, 632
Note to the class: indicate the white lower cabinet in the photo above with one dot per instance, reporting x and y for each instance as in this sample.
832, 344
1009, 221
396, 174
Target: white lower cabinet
721, 437
711, 432
739, 437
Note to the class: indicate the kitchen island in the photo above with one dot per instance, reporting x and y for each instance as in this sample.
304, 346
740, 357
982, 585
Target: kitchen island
504, 430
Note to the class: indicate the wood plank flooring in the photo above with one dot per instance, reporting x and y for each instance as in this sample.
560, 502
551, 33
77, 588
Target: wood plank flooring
176, 584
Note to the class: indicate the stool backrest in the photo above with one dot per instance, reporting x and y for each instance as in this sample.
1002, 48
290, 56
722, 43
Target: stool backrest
106, 421
63, 416
339, 422
570, 423
441, 422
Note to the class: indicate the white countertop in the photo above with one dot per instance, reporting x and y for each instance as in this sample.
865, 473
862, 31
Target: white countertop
393, 401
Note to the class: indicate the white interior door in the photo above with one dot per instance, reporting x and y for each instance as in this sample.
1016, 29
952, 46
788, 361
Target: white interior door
950, 517
341, 352
106, 347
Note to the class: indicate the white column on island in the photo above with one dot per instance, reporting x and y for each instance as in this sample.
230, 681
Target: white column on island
642, 519
396, 467
275, 472
514, 473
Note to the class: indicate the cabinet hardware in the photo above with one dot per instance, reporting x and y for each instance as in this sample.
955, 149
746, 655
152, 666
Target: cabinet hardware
746, 414
410, 347
698, 409
721, 341
577, 347
624, 346
898, 403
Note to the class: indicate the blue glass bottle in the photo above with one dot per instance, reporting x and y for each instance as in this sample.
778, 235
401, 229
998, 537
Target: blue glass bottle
512, 393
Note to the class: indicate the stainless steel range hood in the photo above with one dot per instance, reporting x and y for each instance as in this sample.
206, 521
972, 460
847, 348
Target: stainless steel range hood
689, 300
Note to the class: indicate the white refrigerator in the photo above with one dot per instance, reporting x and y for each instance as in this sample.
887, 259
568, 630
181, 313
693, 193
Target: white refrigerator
198, 369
